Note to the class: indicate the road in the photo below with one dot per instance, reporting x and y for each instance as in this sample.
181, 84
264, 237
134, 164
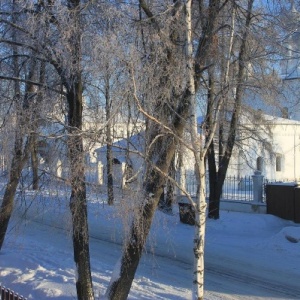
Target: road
161, 274
225, 277
238, 285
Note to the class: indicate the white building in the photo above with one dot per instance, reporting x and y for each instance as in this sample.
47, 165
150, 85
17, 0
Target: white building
272, 147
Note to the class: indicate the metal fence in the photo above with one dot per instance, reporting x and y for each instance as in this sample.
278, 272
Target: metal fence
7, 294
234, 188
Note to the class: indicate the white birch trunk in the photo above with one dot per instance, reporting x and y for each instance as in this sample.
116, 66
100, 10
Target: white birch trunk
199, 235
200, 203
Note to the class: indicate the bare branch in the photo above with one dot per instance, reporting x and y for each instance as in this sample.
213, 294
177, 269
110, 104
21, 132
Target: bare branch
32, 82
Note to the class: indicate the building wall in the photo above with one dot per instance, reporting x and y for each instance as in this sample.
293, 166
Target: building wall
276, 154
272, 148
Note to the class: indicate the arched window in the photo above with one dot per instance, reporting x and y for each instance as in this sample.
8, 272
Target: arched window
278, 162
259, 164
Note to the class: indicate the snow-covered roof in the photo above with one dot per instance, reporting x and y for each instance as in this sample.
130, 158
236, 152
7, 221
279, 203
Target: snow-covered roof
134, 143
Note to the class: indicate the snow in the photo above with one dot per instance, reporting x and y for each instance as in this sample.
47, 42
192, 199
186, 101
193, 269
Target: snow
247, 255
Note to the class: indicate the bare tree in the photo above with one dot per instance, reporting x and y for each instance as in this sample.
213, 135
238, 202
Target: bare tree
26, 123
166, 56
78, 203
245, 69
165, 127
67, 63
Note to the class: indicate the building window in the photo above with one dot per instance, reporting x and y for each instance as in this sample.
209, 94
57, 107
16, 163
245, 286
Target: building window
278, 162
259, 164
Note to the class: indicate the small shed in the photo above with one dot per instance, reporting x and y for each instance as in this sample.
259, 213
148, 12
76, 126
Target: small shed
127, 159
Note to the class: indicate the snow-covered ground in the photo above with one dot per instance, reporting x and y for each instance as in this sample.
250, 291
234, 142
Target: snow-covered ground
247, 256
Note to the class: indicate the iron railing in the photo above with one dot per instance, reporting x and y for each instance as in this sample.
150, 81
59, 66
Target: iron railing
7, 294
234, 188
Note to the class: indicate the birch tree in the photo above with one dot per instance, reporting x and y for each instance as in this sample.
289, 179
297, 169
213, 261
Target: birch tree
199, 205
165, 127
169, 51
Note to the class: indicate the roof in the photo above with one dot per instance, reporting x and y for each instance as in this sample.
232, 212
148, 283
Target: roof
134, 143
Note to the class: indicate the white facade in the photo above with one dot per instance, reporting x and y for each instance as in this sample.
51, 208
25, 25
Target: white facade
271, 146
274, 150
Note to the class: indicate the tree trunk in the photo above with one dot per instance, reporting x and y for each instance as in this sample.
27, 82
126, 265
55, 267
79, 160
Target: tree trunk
34, 164
170, 188
19, 159
109, 154
214, 201
21, 152
218, 177
109, 173
34, 150
199, 235
200, 147
213, 206
153, 186
78, 201
167, 196
160, 156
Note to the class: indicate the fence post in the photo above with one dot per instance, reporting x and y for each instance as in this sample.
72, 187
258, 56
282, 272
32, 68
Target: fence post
7, 294
257, 179
123, 172
100, 173
59, 168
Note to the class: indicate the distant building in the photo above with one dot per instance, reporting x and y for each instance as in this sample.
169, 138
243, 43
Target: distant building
272, 147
